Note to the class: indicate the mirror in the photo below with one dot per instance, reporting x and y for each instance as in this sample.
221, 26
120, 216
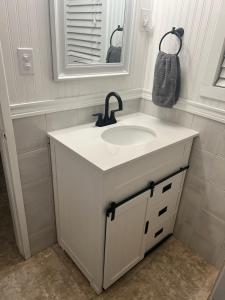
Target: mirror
91, 38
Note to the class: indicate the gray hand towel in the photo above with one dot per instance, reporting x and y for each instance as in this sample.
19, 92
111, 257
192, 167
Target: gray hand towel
114, 54
166, 87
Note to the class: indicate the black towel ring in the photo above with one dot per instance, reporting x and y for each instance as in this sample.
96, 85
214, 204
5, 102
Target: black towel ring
179, 32
119, 28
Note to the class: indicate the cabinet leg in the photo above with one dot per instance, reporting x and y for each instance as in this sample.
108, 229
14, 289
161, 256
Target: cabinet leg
97, 289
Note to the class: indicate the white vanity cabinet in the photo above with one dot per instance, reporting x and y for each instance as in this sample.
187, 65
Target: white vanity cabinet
106, 243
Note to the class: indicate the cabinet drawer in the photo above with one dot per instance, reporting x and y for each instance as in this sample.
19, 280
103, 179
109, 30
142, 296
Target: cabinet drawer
159, 232
168, 189
163, 210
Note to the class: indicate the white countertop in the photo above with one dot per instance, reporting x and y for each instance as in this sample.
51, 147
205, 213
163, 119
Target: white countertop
86, 140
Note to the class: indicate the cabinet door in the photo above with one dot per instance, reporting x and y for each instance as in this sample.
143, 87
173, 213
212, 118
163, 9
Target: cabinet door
124, 238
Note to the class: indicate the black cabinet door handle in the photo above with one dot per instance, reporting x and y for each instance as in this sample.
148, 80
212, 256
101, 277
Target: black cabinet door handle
158, 232
146, 227
162, 211
167, 187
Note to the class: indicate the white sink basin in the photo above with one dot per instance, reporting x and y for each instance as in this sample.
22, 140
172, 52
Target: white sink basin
128, 135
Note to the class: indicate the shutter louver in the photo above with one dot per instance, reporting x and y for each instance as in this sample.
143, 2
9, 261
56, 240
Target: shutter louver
221, 80
84, 31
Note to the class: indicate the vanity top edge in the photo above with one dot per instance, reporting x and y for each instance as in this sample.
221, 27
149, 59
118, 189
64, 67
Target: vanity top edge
85, 140
105, 170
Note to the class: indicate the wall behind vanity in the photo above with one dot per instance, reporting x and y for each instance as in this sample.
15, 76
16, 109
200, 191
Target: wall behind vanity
199, 20
201, 221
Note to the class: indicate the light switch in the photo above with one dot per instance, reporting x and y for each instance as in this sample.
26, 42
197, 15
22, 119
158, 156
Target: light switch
146, 19
25, 60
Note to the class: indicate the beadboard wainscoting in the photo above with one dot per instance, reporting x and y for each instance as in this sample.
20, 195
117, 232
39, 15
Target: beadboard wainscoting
201, 219
35, 166
199, 19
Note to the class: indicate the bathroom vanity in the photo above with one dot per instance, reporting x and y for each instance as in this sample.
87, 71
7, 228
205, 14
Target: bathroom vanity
117, 191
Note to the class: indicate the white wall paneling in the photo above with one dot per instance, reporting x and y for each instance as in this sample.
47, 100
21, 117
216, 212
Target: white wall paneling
26, 24
199, 20
30, 95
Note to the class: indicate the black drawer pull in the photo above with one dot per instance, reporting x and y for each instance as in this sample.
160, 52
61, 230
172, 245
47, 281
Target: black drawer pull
158, 232
167, 188
163, 211
146, 227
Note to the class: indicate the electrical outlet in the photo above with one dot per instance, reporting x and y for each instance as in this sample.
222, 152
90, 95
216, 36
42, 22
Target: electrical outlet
25, 60
146, 19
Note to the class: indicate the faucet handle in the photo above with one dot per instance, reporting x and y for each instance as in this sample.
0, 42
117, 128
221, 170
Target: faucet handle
99, 115
99, 122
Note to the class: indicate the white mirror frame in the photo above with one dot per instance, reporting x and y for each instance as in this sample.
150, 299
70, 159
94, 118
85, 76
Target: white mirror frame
63, 72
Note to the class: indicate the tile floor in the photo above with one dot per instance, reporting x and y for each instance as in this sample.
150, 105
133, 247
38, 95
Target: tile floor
171, 272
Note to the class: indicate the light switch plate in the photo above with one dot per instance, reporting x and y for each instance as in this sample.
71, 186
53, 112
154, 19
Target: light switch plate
146, 19
25, 60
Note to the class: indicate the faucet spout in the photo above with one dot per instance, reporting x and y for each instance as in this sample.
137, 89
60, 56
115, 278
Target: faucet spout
111, 119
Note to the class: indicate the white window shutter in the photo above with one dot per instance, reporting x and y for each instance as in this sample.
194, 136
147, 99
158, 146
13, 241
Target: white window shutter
84, 31
221, 80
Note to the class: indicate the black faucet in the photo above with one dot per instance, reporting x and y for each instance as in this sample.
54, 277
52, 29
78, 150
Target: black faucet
108, 120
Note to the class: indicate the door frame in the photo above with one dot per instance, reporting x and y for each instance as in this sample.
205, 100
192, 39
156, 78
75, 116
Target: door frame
11, 167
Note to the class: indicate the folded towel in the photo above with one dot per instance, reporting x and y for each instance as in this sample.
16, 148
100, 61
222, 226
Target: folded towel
114, 54
166, 87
